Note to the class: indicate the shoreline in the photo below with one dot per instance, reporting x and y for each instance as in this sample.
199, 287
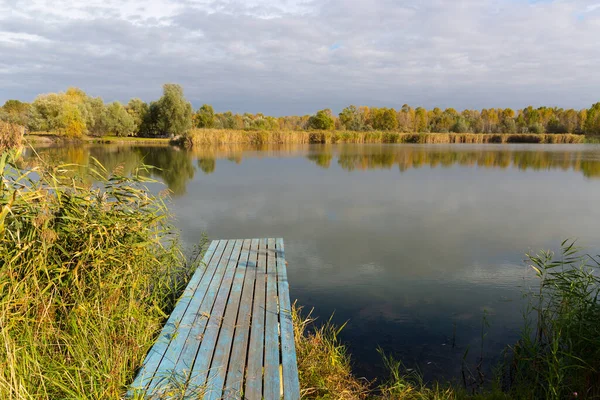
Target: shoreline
208, 137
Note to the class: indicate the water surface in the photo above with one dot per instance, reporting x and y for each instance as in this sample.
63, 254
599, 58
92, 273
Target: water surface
413, 245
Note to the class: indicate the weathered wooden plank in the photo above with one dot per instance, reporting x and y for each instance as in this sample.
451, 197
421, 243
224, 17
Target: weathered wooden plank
188, 345
218, 367
168, 372
271, 385
237, 363
254, 373
231, 330
156, 353
207, 346
291, 386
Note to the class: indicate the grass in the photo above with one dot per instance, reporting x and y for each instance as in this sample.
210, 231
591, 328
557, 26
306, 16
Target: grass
89, 274
11, 135
558, 355
324, 366
204, 137
54, 136
126, 139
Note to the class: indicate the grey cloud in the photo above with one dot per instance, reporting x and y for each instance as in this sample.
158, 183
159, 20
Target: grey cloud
296, 57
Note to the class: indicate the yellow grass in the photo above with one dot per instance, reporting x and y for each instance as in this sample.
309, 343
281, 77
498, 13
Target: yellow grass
204, 137
11, 135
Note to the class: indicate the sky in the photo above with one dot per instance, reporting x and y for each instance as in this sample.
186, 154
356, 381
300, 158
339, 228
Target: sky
284, 57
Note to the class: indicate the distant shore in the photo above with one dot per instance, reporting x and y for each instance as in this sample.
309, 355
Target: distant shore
203, 137
208, 137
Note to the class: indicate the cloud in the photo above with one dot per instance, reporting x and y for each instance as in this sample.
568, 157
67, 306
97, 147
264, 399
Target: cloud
293, 57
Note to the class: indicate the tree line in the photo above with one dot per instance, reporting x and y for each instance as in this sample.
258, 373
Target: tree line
74, 113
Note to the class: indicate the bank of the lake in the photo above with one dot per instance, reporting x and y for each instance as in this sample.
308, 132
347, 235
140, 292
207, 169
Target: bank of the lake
212, 137
50, 138
204, 137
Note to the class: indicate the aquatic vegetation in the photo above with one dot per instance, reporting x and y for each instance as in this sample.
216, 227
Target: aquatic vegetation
204, 137
324, 367
11, 135
558, 354
89, 274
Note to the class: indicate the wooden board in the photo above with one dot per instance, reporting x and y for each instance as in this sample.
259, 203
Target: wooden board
230, 335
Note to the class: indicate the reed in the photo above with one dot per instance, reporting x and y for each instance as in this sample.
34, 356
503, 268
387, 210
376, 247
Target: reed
89, 274
558, 355
324, 366
11, 135
204, 137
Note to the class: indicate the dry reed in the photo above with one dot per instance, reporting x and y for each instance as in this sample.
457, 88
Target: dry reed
204, 137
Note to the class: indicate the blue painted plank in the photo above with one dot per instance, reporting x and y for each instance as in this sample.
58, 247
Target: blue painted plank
191, 344
218, 367
155, 355
291, 386
169, 373
201, 366
237, 362
254, 373
272, 386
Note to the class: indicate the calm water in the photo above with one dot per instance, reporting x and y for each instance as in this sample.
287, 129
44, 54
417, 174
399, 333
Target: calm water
412, 244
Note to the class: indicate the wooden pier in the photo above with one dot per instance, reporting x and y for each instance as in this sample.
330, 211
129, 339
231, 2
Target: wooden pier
230, 335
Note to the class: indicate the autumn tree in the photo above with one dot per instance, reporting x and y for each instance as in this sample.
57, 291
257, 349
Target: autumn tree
16, 112
421, 120
592, 122
205, 117
322, 120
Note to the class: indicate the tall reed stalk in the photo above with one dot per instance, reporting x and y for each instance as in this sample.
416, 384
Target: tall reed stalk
11, 135
88, 275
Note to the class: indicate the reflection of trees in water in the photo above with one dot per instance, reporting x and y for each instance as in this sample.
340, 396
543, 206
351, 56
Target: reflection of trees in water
173, 166
407, 158
207, 165
321, 159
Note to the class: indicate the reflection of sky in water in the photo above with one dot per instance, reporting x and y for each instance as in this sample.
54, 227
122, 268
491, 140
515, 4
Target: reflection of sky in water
408, 243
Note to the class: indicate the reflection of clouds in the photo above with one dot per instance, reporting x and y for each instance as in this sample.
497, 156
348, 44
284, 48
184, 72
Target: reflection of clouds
419, 250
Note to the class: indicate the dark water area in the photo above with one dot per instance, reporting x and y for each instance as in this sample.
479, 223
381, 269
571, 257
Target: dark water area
414, 245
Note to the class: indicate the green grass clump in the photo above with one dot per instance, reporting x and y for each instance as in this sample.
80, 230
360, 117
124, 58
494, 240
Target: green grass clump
558, 355
88, 275
324, 367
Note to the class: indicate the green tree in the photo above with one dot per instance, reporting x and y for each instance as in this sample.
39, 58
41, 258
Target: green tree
205, 117
96, 111
421, 120
174, 111
137, 109
322, 120
352, 119
592, 122
118, 120
388, 120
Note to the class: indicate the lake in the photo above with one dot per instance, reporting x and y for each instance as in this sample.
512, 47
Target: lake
420, 248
